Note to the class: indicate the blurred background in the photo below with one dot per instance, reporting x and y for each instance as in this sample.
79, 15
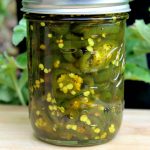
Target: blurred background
13, 70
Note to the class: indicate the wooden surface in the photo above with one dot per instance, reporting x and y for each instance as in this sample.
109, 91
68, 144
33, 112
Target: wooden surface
16, 132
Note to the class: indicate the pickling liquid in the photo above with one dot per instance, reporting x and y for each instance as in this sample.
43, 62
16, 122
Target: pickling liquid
76, 83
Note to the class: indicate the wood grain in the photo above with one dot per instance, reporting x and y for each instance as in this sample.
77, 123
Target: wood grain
16, 132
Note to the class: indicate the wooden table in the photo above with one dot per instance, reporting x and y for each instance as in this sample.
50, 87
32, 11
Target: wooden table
16, 132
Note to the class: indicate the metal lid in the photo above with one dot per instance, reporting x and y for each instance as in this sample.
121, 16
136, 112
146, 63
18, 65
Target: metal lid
75, 6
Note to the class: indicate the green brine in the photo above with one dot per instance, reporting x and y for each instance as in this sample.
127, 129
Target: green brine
76, 63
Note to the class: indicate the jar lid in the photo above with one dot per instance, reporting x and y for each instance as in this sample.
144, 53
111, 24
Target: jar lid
75, 6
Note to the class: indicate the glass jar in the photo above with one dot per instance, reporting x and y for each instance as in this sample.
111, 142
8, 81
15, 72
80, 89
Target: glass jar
76, 60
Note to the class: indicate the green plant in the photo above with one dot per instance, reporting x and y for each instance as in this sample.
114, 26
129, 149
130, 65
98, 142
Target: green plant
13, 71
137, 46
13, 79
19, 32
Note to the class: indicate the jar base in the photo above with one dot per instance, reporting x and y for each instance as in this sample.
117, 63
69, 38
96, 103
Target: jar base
73, 143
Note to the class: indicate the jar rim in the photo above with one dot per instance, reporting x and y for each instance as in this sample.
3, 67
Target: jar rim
85, 7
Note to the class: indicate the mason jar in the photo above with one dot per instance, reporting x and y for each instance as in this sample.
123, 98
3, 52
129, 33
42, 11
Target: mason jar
76, 62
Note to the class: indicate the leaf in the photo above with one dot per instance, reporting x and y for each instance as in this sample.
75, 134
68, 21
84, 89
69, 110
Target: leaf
137, 38
5, 73
141, 48
24, 78
6, 94
9, 77
134, 72
21, 61
137, 46
140, 60
143, 29
19, 32
11, 64
22, 22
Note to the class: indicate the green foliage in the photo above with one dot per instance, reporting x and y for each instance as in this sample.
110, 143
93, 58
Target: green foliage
135, 72
19, 32
13, 72
13, 79
137, 46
